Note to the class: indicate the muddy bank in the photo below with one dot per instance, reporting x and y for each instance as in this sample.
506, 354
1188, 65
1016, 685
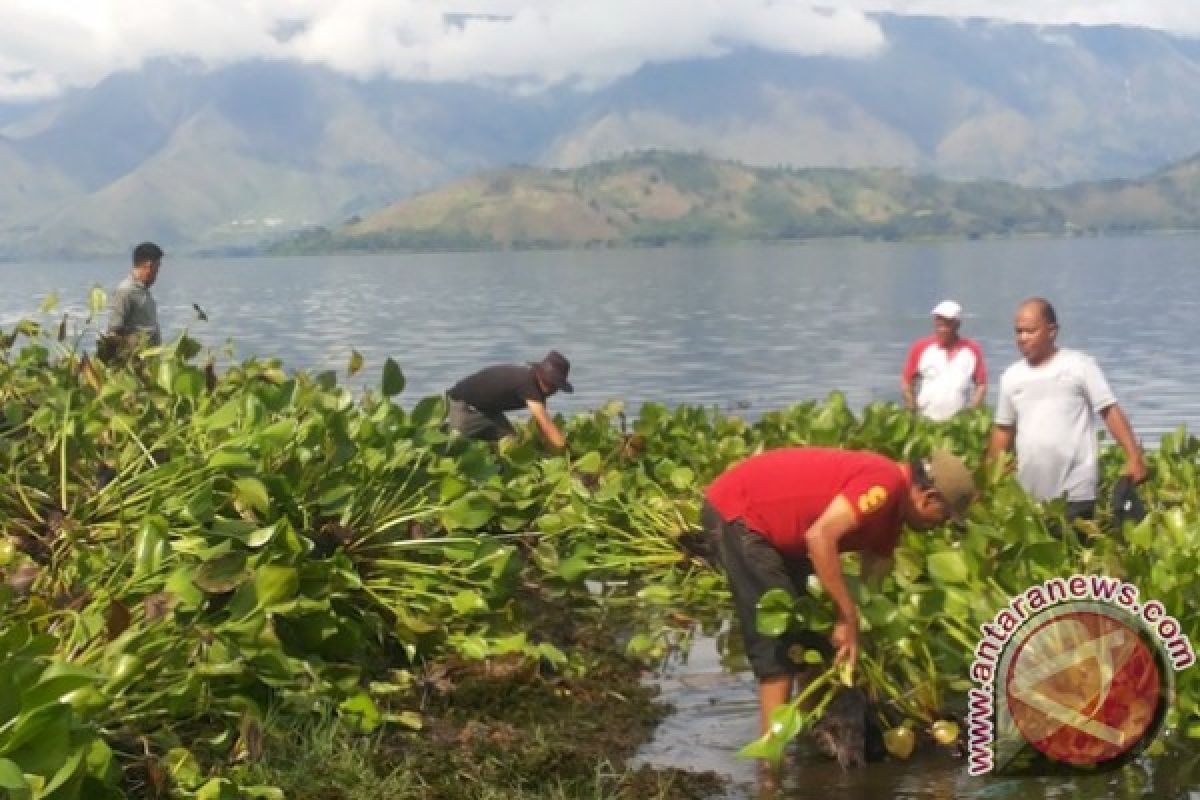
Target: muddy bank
503, 729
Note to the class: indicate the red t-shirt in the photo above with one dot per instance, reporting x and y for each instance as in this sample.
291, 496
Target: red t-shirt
781, 493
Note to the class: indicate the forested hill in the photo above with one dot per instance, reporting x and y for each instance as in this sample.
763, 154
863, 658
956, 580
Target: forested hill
661, 198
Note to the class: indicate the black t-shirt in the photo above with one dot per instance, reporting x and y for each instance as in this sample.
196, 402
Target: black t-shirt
500, 388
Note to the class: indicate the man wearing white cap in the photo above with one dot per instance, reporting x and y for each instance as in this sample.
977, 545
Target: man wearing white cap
948, 369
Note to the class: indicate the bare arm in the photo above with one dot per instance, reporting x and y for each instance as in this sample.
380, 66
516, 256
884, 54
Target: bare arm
549, 430
822, 540
1118, 425
1002, 438
979, 394
906, 388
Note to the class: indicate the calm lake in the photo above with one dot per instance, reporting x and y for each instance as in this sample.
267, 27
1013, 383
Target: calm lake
748, 327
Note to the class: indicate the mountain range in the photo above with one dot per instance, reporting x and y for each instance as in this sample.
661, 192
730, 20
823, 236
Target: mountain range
222, 160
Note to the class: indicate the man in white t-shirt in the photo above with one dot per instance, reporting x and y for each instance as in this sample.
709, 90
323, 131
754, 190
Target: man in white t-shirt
947, 369
1047, 403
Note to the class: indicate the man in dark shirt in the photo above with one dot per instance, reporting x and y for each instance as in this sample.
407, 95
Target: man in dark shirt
478, 401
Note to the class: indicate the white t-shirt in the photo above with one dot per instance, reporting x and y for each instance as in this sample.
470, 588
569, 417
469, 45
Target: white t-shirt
945, 377
1053, 407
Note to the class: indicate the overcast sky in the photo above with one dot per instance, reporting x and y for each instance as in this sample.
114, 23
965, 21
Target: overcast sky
49, 45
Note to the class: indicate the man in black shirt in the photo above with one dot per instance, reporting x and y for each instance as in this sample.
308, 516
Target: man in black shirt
478, 402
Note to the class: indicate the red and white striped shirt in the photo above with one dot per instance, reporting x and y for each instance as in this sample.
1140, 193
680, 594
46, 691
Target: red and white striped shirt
947, 375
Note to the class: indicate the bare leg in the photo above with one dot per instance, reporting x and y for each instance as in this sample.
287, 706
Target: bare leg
772, 693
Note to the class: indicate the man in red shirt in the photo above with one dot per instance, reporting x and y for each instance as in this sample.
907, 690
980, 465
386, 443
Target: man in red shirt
782, 515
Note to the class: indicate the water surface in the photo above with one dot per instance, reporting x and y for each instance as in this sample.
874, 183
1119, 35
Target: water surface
749, 327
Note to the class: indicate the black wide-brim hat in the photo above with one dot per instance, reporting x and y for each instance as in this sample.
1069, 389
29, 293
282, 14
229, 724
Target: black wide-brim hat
553, 370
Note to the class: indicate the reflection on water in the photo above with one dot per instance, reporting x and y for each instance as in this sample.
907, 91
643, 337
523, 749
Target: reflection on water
716, 712
748, 327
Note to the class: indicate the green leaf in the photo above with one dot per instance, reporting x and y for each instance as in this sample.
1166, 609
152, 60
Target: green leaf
356, 363
774, 612
40, 741
452, 487
683, 478
1142, 535
643, 645
222, 574
50, 303
252, 492
947, 566
277, 435
468, 602
408, 719
181, 585
578, 564
183, 767
656, 595
360, 710
332, 500
429, 412
262, 792
217, 789
474, 648
223, 417
393, 378
590, 464
11, 776
57, 681
472, 511
188, 383
1045, 554
274, 585
261, 536
199, 508
65, 782
411, 623
97, 300
232, 459
785, 723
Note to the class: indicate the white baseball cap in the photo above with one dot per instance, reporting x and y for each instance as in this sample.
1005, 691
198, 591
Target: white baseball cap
947, 309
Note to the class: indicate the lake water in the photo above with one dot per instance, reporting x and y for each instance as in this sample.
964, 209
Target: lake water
715, 713
749, 327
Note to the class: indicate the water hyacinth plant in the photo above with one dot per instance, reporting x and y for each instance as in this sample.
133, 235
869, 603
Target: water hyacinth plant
187, 550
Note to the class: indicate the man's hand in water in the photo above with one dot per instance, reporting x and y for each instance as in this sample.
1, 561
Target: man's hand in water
845, 641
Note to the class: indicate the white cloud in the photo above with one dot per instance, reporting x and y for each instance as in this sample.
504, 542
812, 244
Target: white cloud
1176, 16
49, 45
558, 41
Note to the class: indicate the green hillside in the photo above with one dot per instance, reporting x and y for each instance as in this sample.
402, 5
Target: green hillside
660, 198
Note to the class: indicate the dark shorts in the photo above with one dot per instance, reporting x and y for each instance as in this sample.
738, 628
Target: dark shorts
1081, 509
753, 567
476, 424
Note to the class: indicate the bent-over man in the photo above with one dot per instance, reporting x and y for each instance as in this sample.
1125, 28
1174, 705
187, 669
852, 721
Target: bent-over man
785, 514
477, 403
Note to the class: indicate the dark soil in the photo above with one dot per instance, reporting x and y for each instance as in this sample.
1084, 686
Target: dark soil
507, 728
